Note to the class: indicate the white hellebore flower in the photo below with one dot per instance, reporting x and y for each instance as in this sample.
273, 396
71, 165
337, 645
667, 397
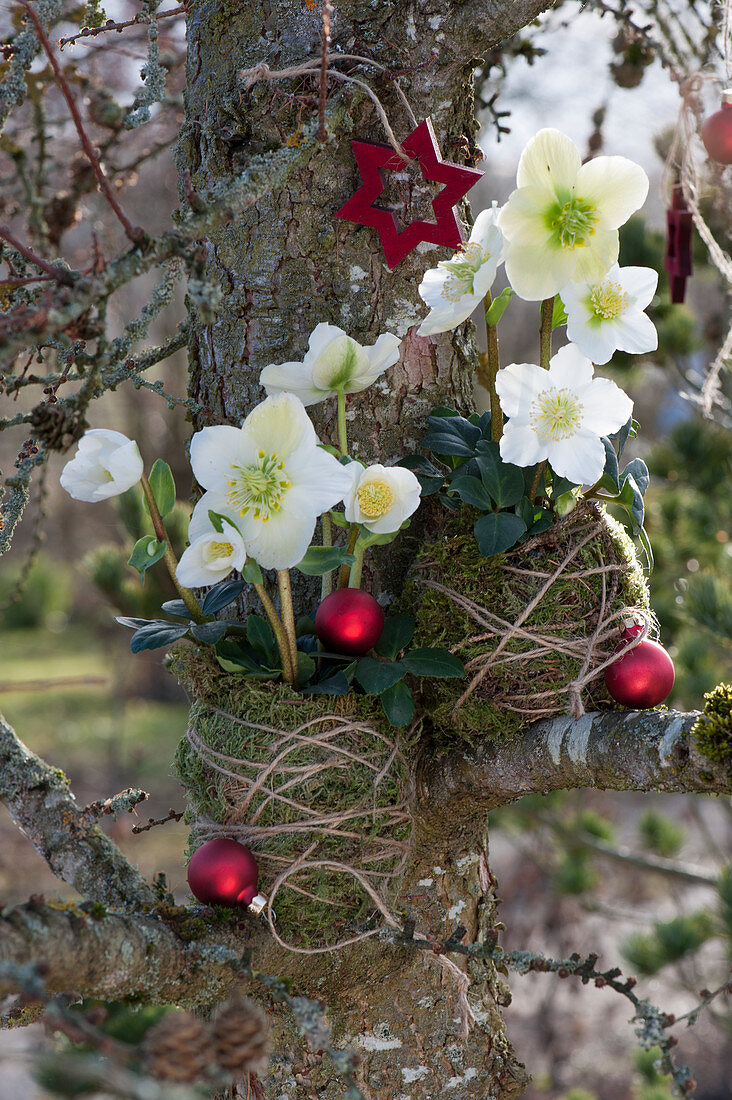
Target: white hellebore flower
562, 221
560, 415
211, 555
105, 465
332, 362
381, 497
270, 478
455, 287
607, 316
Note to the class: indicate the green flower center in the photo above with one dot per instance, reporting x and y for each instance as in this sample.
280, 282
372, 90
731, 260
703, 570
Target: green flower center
556, 414
218, 550
573, 222
375, 498
258, 488
608, 301
462, 269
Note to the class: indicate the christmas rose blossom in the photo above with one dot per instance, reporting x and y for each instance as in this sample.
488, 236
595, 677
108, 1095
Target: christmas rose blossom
333, 362
105, 465
455, 287
211, 555
560, 415
270, 477
381, 497
561, 222
607, 316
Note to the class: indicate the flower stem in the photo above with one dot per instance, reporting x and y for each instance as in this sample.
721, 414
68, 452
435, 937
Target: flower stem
345, 573
326, 585
278, 630
537, 478
288, 616
487, 376
354, 581
342, 429
545, 332
169, 557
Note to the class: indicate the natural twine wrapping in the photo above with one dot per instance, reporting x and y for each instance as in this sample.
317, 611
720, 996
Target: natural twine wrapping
321, 799
536, 627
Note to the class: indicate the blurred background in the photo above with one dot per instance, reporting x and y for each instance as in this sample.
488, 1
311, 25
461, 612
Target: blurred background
644, 881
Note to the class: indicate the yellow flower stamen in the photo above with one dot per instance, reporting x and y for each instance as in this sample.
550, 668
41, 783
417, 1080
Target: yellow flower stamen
574, 222
556, 414
258, 488
375, 498
220, 550
608, 301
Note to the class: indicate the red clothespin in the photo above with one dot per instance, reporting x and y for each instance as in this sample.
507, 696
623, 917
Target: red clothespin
678, 246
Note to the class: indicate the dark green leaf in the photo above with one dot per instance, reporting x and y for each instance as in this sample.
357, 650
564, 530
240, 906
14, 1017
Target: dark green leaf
177, 608
498, 306
370, 538
451, 435
240, 657
449, 502
221, 595
638, 470
497, 532
261, 638
163, 486
503, 480
219, 522
559, 313
146, 552
209, 632
135, 624
376, 676
610, 473
398, 633
251, 572
398, 704
472, 491
628, 430
429, 477
647, 548
304, 625
433, 662
561, 485
157, 634
536, 518
323, 559
442, 410
305, 667
333, 685
339, 519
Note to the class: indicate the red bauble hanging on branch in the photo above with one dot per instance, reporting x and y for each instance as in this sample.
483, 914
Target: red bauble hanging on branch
349, 621
643, 677
224, 872
717, 131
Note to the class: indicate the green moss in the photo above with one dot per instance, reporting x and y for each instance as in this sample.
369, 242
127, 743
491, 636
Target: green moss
521, 687
713, 730
335, 784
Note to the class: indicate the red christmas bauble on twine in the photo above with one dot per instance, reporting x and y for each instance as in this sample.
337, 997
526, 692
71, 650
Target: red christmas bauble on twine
643, 677
349, 621
224, 872
717, 131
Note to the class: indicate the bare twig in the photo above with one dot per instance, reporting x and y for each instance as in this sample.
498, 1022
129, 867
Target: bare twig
172, 815
60, 274
324, 47
110, 25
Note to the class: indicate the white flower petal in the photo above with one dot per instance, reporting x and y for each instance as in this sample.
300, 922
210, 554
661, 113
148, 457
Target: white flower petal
615, 185
278, 425
638, 282
321, 336
596, 341
381, 355
106, 464
524, 220
581, 459
294, 378
550, 160
281, 542
635, 333
484, 229
319, 481
201, 525
597, 257
570, 368
521, 445
206, 561
398, 488
605, 407
517, 386
536, 273
212, 452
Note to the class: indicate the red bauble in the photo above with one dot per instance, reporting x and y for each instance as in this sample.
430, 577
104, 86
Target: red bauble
349, 621
642, 678
717, 131
223, 872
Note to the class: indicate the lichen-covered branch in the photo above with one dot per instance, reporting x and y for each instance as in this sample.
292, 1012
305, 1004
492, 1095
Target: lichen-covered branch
70, 841
617, 750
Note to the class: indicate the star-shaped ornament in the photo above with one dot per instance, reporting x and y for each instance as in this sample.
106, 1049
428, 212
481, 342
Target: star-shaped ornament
398, 240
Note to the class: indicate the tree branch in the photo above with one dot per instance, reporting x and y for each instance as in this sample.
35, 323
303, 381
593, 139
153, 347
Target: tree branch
615, 750
70, 841
115, 956
483, 24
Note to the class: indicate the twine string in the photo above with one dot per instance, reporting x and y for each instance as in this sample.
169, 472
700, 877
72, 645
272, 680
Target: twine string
312, 67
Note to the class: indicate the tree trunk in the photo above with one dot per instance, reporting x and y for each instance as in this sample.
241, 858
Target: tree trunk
281, 268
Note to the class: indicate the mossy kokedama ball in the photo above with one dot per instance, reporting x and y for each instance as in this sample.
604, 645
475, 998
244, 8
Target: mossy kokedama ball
531, 676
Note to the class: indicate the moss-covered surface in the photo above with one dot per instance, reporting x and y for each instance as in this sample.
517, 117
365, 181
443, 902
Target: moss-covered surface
519, 687
344, 777
713, 730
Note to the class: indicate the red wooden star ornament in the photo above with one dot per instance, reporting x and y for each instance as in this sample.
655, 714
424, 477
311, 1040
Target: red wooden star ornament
398, 240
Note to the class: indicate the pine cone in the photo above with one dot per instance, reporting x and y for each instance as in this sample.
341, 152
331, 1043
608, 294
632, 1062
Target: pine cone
241, 1038
178, 1048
